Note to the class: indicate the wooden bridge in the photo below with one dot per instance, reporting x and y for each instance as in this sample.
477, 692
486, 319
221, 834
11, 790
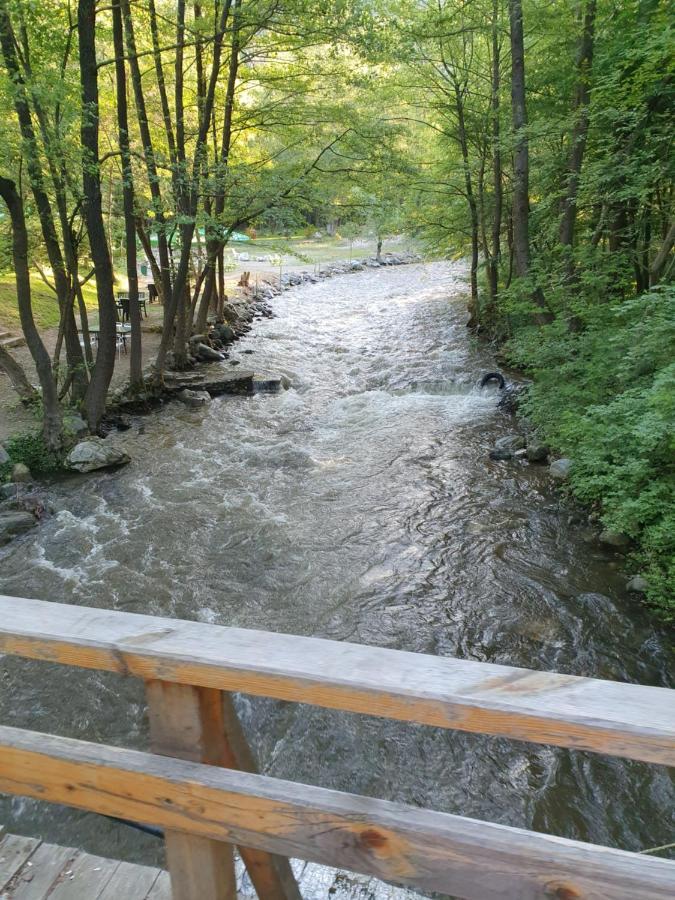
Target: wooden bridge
199, 784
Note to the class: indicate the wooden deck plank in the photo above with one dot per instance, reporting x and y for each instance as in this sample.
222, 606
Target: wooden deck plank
428, 850
161, 889
14, 852
620, 719
129, 882
41, 871
86, 877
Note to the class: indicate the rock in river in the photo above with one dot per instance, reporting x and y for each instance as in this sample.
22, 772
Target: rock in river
537, 453
206, 353
560, 469
638, 585
511, 442
13, 523
95, 453
194, 398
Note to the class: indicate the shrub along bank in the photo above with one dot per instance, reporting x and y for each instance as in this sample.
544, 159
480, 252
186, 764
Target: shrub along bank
605, 397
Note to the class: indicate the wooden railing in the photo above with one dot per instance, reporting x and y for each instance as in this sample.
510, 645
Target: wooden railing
199, 782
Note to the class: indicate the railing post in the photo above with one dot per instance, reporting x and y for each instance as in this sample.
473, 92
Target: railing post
187, 722
201, 724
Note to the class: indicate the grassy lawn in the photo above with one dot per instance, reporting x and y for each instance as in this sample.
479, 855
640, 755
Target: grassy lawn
45, 307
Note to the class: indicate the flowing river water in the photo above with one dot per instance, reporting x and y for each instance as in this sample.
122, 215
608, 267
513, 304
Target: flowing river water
359, 505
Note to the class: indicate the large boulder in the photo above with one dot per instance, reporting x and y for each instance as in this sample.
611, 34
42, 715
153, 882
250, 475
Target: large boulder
13, 523
560, 469
95, 453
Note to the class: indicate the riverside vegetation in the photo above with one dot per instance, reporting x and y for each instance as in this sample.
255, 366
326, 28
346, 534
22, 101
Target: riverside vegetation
533, 138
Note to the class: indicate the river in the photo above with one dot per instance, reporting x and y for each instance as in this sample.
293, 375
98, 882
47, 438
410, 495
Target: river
358, 505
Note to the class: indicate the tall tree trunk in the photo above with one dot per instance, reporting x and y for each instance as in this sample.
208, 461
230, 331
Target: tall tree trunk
52, 416
164, 284
136, 360
580, 130
471, 201
520, 205
495, 253
93, 209
188, 192
30, 152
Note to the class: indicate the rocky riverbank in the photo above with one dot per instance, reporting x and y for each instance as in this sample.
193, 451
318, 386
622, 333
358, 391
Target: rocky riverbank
526, 446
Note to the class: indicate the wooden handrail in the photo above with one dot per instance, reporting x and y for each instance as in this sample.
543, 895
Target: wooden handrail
430, 850
608, 717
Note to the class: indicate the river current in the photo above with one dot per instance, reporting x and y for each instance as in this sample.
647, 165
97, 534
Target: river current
360, 505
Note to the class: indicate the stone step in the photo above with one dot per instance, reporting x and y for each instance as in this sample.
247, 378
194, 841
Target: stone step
9, 342
5, 334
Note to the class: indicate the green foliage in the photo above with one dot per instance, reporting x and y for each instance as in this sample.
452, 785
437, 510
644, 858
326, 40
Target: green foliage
30, 449
606, 398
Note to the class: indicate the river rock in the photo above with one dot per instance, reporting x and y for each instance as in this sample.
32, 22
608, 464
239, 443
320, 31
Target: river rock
74, 424
21, 473
511, 442
95, 453
4, 456
224, 333
537, 453
560, 469
501, 454
193, 398
13, 523
614, 539
230, 312
11, 491
638, 585
206, 353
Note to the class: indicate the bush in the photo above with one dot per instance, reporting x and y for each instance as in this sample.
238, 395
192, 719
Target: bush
30, 449
606, 398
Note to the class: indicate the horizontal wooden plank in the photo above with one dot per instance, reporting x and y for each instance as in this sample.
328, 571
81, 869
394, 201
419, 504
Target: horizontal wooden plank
430, 850
15, 851
585, 713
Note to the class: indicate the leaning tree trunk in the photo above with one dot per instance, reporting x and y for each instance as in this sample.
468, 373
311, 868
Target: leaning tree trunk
52, 416
93, 208
136, 360
17, 376
663, 257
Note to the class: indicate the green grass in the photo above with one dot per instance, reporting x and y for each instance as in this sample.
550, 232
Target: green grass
45, 307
